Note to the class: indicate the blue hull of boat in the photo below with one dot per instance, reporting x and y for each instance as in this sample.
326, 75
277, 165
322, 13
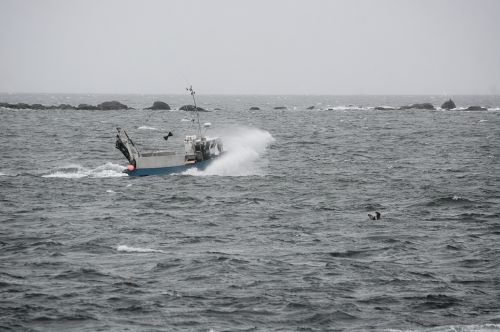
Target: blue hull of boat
169, 170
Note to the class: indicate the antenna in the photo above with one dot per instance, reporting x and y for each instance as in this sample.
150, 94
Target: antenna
192, 92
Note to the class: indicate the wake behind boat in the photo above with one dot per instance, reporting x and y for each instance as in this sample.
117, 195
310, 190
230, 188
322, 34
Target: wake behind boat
199, 151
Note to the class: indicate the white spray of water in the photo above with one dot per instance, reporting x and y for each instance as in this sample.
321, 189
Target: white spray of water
147, 128
125, 248
75, 171
244, 154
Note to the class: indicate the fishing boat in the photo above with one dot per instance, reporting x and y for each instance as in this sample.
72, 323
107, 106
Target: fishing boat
199, 151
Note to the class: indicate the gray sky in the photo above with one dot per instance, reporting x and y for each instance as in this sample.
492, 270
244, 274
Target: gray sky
251, 46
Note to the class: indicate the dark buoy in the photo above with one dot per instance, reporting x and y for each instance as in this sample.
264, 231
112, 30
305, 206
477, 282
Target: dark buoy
374, 217
168, 135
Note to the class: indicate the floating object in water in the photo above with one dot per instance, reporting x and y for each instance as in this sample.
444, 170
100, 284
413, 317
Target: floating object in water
374, 217
168, 135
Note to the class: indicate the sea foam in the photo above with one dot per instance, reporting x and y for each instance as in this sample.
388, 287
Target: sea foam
125, 248
147, 128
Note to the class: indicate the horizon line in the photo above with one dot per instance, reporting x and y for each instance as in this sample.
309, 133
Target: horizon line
250, 94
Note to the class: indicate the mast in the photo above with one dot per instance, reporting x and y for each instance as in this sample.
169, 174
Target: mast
191, 91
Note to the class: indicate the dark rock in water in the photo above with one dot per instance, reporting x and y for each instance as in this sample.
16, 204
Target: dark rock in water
20, 106
280, 108
109, 105
87, 107
422, 106
384, 108
6, 105
159, 105
23, 106
310, 108
448, 105
476, 108
65, 107
39, 107
254, 108
191, 108
112, 105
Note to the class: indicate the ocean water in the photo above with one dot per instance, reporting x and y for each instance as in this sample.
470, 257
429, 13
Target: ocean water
274, 236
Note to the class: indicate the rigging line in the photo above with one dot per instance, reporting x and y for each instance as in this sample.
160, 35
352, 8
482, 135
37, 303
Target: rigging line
190, 89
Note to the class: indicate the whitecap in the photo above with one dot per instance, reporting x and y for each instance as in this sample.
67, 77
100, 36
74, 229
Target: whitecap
125, 248
348, 108
108, 170
384, 107
454, 328
68, 171
147, 128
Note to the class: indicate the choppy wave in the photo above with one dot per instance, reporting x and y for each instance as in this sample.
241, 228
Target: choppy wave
244, 156
455, 328
9, 173
289, 250
448, 200
126, 248
76, 171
